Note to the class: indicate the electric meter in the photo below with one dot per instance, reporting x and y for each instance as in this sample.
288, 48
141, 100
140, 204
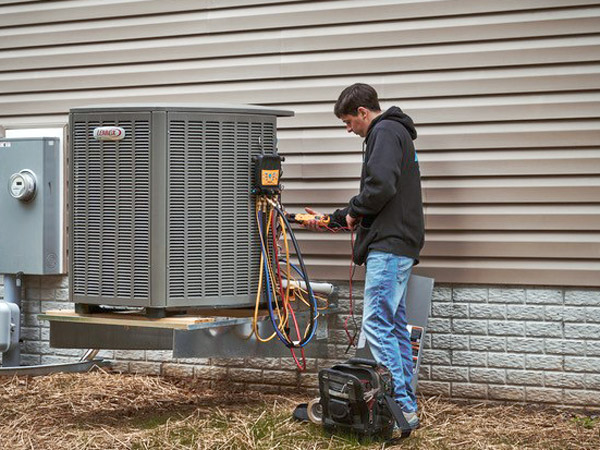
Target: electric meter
31, 188
22, 185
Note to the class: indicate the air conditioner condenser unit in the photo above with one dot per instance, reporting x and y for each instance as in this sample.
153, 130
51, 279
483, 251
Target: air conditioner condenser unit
161, 211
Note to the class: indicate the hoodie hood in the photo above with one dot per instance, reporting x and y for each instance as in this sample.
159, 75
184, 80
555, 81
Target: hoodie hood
394, 113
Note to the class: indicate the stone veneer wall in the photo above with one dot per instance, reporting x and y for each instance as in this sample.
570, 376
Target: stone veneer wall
523, 344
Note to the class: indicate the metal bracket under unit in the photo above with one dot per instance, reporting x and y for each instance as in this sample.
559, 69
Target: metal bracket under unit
186, 336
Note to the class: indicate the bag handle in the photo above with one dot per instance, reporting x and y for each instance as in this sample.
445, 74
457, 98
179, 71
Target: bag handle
363, 361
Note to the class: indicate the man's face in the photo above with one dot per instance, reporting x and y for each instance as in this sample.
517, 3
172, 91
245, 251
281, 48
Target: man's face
358, 124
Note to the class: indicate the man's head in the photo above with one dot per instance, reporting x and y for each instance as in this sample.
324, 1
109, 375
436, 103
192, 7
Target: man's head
357, 106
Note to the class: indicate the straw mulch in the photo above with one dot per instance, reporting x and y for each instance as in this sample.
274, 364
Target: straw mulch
100, 410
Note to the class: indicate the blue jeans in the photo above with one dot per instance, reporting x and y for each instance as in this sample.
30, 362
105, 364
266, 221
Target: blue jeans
384, 321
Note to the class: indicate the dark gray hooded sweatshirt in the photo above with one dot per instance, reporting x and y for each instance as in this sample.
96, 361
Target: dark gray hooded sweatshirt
389, 204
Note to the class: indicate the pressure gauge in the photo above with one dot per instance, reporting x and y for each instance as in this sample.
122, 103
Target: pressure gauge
22, 185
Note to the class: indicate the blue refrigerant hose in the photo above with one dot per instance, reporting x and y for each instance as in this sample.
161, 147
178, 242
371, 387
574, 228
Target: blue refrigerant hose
302, 273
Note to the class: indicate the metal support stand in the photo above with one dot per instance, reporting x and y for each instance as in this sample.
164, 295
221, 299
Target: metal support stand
226, 337
12, 295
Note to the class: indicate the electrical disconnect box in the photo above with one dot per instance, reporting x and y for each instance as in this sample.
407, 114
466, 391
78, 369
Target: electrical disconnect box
30, 206
162, 206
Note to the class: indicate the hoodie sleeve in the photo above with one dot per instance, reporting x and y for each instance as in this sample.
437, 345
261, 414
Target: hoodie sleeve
382, 174
338, 218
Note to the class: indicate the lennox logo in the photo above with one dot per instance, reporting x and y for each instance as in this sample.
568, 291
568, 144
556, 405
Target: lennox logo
109, 133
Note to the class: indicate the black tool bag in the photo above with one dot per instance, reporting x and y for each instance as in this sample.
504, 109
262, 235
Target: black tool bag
357, 396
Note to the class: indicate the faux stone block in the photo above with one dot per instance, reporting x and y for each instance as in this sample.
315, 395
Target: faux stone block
469, 390
582, 364
512, 393
210, 372
543, 329
543, 395
506, 328
525, 377
450, 374
525, 312
470, 294
565, 313
145, 368
544, 362
564, 347
177, 370
441, 294
451, 310
496, 376
584, 398
460, 358
439, 357
525, 345
506, 295
496, 344
449, 341
584, 297
564, 380
582, 331
506, 360
434, 388
245, 375
544, 296
487, 311
468, 326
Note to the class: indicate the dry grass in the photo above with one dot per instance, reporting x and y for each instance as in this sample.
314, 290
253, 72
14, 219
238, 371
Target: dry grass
107, 411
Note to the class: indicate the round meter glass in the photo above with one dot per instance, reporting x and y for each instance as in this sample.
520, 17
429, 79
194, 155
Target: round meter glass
22, 185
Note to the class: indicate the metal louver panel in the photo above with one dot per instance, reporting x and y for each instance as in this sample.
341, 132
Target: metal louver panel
111, 213
212, 205
213, 254
177, 207
79, 206
141, 189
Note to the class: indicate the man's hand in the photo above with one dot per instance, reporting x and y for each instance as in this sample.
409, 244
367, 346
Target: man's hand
313, 225
351, 221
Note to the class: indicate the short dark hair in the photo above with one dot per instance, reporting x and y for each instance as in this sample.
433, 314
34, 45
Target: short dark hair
355, 96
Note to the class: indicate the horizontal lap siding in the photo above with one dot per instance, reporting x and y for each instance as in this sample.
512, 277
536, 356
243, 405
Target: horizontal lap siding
506, 97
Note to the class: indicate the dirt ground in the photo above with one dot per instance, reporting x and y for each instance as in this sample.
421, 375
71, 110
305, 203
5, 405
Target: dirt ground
100, 410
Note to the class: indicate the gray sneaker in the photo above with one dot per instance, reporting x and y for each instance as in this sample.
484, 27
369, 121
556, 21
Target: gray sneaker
412, 419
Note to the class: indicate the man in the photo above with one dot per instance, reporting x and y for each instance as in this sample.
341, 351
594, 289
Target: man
388, 216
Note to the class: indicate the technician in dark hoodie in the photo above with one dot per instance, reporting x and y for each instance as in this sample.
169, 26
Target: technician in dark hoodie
388, 216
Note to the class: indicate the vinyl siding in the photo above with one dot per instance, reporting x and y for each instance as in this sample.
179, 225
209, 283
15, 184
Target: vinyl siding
506, 97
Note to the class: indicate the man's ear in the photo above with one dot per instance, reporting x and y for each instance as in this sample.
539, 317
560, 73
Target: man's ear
362, 112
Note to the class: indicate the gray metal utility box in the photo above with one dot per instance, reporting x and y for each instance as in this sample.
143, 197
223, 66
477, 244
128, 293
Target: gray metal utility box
30, 212
162, 215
